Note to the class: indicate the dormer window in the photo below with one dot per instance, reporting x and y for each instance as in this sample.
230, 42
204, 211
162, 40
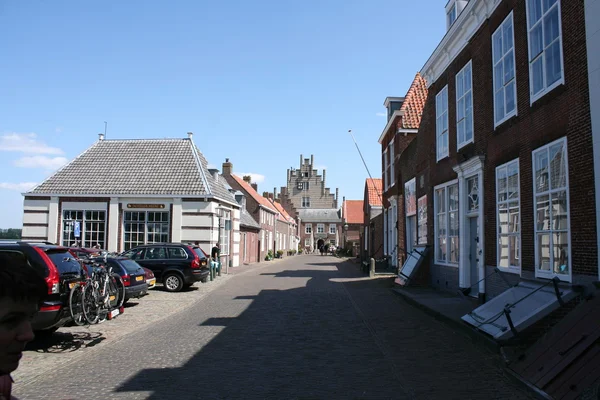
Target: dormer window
451, 16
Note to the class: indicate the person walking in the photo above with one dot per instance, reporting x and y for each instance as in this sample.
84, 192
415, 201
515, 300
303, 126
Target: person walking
21, 291
215, 255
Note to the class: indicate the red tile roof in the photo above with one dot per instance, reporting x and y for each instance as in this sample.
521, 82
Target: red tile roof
257, 197
284, 214
414, 101
374, 191
353, 211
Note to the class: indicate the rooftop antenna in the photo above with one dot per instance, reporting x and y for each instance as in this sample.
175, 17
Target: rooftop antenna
365, 164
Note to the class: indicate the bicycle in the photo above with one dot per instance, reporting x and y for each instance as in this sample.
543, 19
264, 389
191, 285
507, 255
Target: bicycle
99, 297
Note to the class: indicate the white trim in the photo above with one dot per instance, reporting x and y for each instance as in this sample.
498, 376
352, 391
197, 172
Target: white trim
546, 89
466, 170
511, 268
515, 112
306, 226
457, 38
550, 274
385, 168
460, 145
388, 125
392, 165
439, 97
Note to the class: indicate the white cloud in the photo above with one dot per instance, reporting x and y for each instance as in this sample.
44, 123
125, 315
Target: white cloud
256, 178
381, 114
21, 187
26, 143
51, 163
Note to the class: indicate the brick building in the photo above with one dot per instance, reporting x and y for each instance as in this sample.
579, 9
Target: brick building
352, 224
261, 210
404, 116
372, 231
286, 227
307, 199
502, 161
119, 194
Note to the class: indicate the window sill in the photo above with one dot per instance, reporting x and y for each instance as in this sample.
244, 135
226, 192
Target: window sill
445, 264
506, 123
465, 144
542, 97
442, 158
510, 270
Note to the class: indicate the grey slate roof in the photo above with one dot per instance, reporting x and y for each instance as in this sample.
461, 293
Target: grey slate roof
319, 215
170, 167
247, 220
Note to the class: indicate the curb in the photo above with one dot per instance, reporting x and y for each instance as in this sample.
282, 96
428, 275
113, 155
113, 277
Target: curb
478, 339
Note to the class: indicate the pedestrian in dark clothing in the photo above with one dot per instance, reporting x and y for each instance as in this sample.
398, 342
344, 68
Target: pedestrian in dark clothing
215, 255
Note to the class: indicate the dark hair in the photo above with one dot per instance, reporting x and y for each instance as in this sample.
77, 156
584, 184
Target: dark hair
19, 281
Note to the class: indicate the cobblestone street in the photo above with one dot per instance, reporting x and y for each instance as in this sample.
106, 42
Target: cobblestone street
306, 327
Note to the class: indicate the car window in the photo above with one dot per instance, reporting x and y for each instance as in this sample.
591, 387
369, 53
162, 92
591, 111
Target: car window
131, 267
177, 252
200, 253
135, 254
64, 261
155, 253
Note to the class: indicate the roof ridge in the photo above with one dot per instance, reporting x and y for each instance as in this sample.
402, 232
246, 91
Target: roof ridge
412, 112
141, 139
196, 156
249, 188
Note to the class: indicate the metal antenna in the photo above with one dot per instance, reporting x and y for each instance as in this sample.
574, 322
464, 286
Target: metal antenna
365, 164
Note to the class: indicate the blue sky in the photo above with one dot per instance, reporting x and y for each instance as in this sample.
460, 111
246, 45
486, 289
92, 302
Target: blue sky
257, 82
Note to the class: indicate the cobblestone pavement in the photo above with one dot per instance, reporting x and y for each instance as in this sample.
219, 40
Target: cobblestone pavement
306, 327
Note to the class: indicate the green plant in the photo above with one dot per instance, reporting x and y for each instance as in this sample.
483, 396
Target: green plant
279, 253
269, 255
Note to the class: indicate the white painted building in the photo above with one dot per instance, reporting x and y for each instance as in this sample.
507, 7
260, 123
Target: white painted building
123, 193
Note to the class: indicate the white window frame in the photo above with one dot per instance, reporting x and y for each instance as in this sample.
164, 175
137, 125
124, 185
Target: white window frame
306, 242
448, 19
500, 31
549, 192
332, 229
305, 202
462, 73
386, 180
510, 268
262, 240
391, 155
440, 116
308, 228
447, 216
546, 89
320, 228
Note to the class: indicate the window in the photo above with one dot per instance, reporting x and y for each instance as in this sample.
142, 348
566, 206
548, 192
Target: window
306, 202
392, 180
303, 185
305, 174
422, 220
508, 216
177, 252
503, 53
308, 228
451, 16
332, 242
332, 229
545, 46
320, 228
386, 169
84, 228
446, 223
410, 206
144, 227
306, 242
551, 188
225, 231
262, 240
464, 106
441, 123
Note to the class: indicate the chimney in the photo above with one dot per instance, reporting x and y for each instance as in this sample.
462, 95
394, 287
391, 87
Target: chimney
254, 186
214, 172
190, 135
337, 194
101, 136
324, 175
312, 161
247, 178
227, 167
274, 193
300, 160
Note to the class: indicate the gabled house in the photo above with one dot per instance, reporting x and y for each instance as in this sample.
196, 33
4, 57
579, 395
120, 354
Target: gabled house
257, 206
353, 222
249, 233
404, 117
286, 227
372, 229
119, 194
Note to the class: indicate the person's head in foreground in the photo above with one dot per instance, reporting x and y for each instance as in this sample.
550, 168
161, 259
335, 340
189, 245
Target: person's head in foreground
21, 290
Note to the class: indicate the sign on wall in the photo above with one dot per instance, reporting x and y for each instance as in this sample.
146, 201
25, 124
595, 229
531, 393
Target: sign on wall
135, 205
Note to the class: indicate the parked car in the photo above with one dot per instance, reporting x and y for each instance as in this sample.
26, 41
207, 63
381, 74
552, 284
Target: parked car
61, 272
150, 278
175, 265
132, 273
84, 252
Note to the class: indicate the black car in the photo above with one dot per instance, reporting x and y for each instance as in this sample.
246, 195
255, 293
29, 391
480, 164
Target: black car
133, 275
175, 265
61, 272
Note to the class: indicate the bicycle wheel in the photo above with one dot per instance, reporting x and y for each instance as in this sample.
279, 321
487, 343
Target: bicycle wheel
76, 305
119, 289
91, 308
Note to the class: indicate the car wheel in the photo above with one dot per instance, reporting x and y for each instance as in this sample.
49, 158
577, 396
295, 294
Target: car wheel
173, 282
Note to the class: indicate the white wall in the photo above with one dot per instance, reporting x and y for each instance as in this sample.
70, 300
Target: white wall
38, 213
592, 29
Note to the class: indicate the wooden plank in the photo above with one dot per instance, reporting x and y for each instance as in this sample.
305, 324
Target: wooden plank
573, 373
559, 362
549, 341
588, 373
